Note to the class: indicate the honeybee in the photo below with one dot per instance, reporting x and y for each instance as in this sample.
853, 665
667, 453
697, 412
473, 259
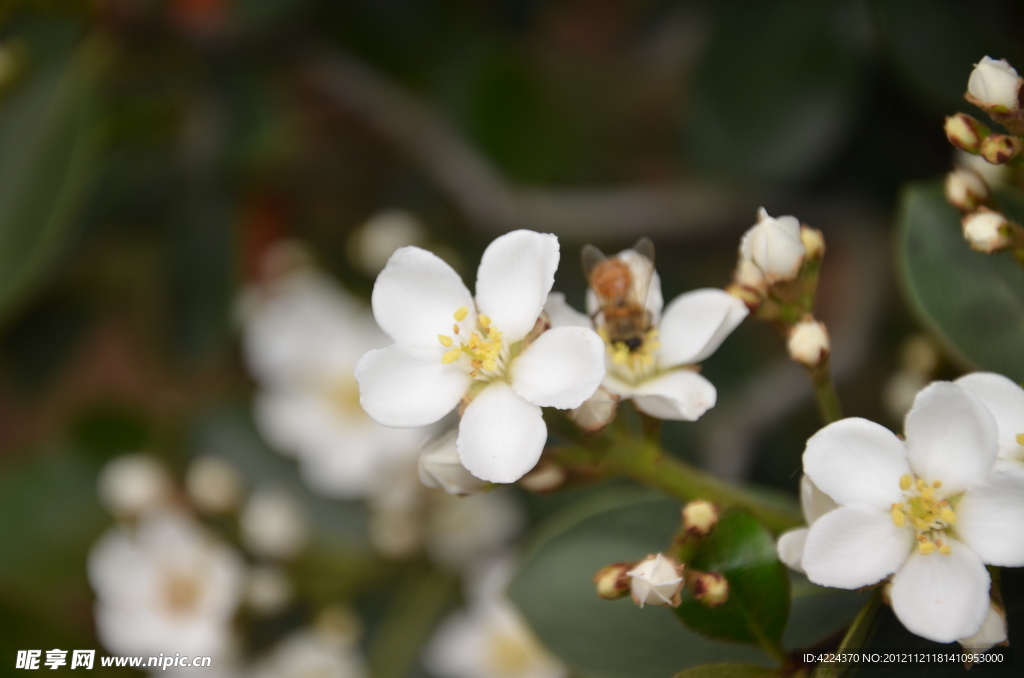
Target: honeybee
621, 284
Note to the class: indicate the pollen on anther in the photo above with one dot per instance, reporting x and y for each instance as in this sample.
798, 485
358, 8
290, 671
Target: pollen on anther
945, 549
461, 314
905, 482
484, 321
926, 548
445, 341
1020, 438
897, 516
937, 484
451, 356
947, 515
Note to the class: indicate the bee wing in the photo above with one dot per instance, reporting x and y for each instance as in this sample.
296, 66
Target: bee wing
591, 258
640, 260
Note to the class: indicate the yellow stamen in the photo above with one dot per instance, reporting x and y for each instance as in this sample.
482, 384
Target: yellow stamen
461, 314
484, 321
451, 356
937, 484
445, 341
927, 492
455, 328
1020, 438
945, 549
921, 484
926, 548
905, 482
897, 516
948, 515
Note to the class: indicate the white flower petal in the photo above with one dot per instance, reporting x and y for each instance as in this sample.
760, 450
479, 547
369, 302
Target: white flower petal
1005, 400
813, 501
951, 436
416, 295
696, 323
791, 548
501, 436
516, 273
990, 519
941, 597
407, 386
856, 461
681, 395
562, 368
562, 314
855, 546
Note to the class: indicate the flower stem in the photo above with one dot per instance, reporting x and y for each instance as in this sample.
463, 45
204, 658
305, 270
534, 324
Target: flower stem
855, 637
825, 392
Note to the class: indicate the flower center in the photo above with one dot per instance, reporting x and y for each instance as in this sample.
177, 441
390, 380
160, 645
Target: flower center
637, 362
482, 352
1020, 447
509, 654
926, 513
180, 592
344, 395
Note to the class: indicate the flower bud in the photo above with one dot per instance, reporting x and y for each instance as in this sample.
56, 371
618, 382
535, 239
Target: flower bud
545, 477
965, 189
699, 517
213, 485
613, 581
749, 275
991, 633
597, 411
371, 245
751, 298
774, 246
814, 242
966, 132
440, 468
999, 149
268, 590
987, 231
657, 580
133, 484
994, 85
711, 589
808, 342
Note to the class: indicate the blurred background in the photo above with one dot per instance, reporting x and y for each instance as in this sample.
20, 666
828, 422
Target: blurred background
166, 165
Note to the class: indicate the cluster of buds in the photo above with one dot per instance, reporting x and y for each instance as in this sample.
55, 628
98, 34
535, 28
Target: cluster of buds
995, 87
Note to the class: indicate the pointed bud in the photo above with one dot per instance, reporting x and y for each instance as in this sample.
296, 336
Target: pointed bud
774, 246
656, 580
987, 231
711, 589
613, 581
808, 342
994, 86
699, 517
966, 132
440, 468
999, 149
597, 411
991, 633
966, 190
814, 242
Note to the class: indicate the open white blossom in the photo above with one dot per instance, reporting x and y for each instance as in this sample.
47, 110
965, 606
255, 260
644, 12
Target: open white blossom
461, 531
774, 246
657, 374
312, 653
451, 348
928, 511
814, 503
994, 84
167, 586
489, 639
1005, 400
302, 336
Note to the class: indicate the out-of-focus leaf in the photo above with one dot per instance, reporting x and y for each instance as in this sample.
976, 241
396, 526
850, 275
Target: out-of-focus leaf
728, 671
974, 301
554, 591
778, 88
744, 552
48, 149
817, 613
106, 430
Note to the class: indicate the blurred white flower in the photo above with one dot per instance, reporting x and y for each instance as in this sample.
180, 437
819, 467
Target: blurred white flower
489, 639
451, 348
167, 586
213, 485
302, 337
814, 503
273, 524
656, 580
994, 84
371, 245
267, 589
463, 530
1005, 400
774, 246
133, 484
440, 468
312, 653
965, 189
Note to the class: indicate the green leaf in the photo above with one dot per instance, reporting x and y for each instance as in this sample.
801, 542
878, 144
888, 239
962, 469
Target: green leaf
616, 639
742, 550
818, 613
728, 671
972, 301
48, 149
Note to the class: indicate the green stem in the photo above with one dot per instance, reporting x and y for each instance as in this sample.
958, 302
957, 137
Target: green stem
854, 639
825, 392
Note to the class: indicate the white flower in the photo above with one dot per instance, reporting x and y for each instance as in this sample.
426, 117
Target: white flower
312, 653
302, 336
267, 589
994, 84
213, 485
273, 525
369, 246
928, 511
489, 639
657, 580
774, 246
991, 633
597, 411
133, 484
987, 231
168, 587
814, 503
1005, 400
462, 530
808, 342
655, 375
449, 347
965, 189
440, 468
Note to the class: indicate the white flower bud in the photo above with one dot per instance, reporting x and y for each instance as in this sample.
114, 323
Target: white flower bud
273, 524
267, 590
440, 468
613, 582
133, 484
999, 149
749, 275
545, 477
774, 246
657, 580
965, 189
965, 132
371, 245
597, 411
213, 485
994, 85
814, 242
808, 342
700, 517
987, 231
991, 633
711, 589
